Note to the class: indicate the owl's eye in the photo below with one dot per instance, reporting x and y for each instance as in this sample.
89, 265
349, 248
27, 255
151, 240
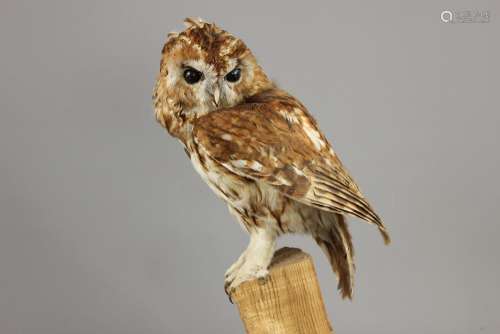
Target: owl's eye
234, 75
192, 76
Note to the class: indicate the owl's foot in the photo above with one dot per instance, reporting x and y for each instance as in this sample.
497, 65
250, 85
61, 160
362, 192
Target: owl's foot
253, 263
245, 273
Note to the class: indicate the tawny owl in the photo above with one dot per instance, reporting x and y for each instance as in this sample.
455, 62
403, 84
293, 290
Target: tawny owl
259, 150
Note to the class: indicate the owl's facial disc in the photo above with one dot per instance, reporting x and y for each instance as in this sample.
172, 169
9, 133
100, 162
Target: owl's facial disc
213, 89
193, 76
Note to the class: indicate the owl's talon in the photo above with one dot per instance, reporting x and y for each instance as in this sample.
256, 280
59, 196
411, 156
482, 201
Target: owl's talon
226, 287
263, 280
228, 293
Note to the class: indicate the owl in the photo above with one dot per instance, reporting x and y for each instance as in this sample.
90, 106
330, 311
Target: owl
259, 149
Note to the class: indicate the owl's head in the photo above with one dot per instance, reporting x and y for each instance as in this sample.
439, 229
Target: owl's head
202, 69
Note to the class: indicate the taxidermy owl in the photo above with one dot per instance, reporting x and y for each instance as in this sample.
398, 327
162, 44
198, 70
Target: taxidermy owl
259, 150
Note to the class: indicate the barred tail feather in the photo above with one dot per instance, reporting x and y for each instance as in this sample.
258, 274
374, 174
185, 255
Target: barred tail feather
336, 243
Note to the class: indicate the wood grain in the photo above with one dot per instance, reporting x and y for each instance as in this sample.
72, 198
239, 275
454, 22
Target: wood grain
288, 302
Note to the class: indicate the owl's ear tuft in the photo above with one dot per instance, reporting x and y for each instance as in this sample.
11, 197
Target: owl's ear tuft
194, 22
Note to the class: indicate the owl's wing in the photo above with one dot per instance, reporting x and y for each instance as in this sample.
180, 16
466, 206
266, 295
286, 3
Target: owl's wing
278, 142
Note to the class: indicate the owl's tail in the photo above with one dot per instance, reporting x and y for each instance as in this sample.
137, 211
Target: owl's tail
336, 243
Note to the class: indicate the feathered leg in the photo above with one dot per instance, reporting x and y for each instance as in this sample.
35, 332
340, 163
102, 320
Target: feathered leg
255, 261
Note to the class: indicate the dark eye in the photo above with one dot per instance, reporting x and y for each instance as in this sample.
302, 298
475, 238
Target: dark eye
192, 76
234, 75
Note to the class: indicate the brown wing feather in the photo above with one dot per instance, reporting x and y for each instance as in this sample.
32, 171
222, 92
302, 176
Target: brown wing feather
273, 138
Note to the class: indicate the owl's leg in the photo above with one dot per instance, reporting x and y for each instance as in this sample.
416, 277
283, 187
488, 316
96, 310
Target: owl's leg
256, 258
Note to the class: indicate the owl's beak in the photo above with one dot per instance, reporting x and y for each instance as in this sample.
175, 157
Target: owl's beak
216, 95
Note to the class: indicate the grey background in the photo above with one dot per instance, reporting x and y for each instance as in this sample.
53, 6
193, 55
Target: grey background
106, 228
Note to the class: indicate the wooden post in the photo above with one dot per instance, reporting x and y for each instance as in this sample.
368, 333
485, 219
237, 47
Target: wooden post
289, 302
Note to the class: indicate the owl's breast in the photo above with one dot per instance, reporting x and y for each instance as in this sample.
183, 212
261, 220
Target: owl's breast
255, 202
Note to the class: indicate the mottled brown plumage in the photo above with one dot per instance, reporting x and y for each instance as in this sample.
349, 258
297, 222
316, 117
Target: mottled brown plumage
259, 149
